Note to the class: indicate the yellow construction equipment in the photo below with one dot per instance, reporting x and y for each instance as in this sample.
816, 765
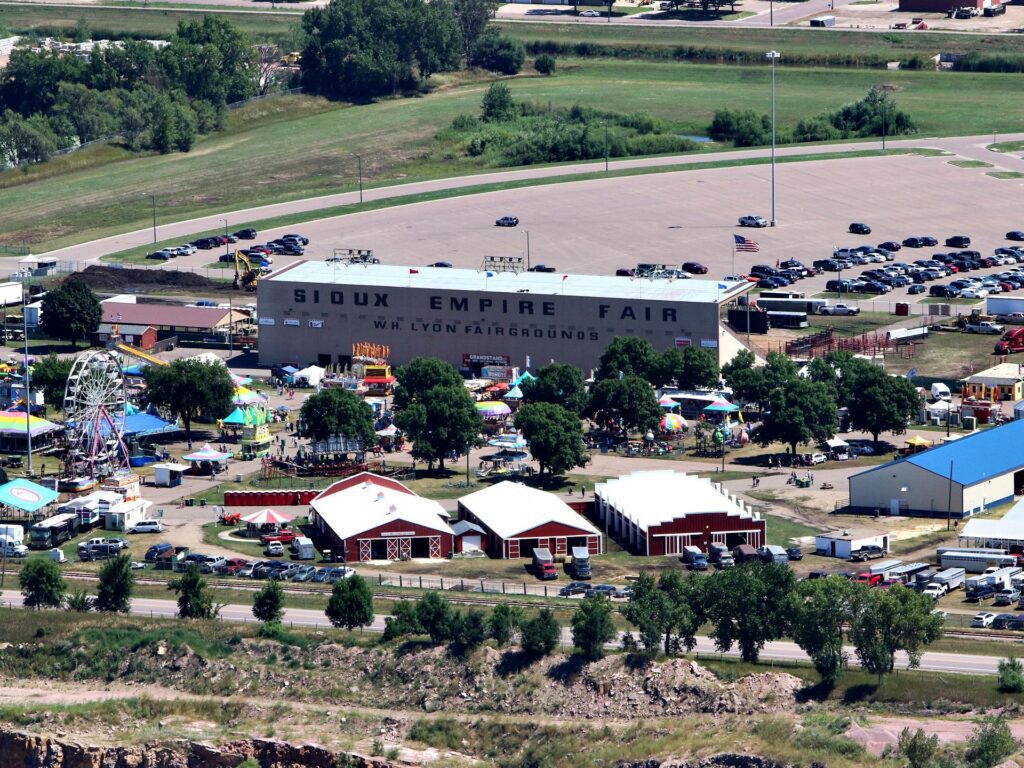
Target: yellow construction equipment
246, 276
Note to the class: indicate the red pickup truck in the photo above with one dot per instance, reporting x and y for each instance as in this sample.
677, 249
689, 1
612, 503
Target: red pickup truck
285, 536
871, 579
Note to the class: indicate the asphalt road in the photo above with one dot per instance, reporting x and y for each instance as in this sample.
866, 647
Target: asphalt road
779, 650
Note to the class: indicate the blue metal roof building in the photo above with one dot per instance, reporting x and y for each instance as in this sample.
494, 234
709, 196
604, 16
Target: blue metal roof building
956, 479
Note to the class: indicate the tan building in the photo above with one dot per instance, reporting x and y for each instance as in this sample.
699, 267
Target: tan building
1000, 382
959, 479
313, 312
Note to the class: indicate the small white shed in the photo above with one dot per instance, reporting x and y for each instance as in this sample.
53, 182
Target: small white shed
168, 474
843, 542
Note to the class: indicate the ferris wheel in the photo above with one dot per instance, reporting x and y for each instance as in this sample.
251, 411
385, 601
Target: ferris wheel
95, 402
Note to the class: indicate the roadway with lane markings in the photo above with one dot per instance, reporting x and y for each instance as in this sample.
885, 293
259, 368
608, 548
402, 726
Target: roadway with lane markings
778, 650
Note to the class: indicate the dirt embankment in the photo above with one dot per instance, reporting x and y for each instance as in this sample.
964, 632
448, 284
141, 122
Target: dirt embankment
128, 280
487, 680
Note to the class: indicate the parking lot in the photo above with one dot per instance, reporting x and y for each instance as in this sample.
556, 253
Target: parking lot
603, 225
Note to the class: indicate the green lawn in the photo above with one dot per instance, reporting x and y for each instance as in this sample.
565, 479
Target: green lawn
296, 147
846, 326
782, 531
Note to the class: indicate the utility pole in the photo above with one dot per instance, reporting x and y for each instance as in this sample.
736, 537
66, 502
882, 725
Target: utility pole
359, 160
527, 250
153, 198
772, 56
28, 384
606, 147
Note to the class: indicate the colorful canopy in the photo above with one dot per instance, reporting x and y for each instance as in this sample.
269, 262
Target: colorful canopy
511, 440
918, 442
241, 381
207, 453
388, 431
721, 406
245, 416
524, 376
667, 402
267, 517
493, 409
514, 394
13, 423
672, 422
26, 495
245, 396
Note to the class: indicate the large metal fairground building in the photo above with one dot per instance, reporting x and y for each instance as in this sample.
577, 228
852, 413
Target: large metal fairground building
313, 312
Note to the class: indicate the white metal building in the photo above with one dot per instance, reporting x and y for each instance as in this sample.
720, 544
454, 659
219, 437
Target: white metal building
845, 541
1006, 532
517, 519
660, 512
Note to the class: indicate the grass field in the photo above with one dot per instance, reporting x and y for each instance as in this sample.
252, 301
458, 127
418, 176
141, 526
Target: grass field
258, 160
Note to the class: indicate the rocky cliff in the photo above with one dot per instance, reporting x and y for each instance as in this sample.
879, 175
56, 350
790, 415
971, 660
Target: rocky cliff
26, 750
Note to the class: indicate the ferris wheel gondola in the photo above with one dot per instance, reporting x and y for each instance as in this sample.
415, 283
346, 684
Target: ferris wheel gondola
95, 404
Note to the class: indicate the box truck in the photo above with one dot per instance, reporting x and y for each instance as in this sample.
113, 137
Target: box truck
773, 554
580, 567
721, 557
544, 564
694, 558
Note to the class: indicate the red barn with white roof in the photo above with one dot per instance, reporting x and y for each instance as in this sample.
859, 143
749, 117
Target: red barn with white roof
369, 517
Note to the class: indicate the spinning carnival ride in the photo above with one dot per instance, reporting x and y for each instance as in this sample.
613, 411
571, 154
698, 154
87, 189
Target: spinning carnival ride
95, 403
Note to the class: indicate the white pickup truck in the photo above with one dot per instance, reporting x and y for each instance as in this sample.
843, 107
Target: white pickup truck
840, 309
984, 326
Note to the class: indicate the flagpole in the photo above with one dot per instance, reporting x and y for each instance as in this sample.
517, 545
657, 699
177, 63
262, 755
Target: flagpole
734, 255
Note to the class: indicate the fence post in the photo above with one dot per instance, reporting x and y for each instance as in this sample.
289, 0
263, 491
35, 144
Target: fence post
399, 581
442, 583
380, 577
421, 578
524, 587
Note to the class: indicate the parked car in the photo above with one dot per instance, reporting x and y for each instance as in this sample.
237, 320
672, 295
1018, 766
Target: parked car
860, 228
147, 526
574, 588
694, 268
511, 221
983, 619
302, 239
1004, 621
161, 255
285, 536
1007, 596
795, 553
753, 221
246, 234
274, 549
890, 245
233, 566
541, 268
601, 589
304, 573
958, 241
867, 552
441, 265
1015, 234
590, 14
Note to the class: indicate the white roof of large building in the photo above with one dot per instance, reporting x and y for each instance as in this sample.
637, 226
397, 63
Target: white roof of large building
536, 283
509, 509
1003, 373
359, 508
1009, 527
659, 496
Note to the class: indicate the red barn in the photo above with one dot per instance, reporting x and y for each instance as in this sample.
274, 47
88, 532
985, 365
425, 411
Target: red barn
517, 519
369, 517
660, 512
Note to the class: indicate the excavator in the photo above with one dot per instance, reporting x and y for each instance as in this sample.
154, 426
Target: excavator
246, 275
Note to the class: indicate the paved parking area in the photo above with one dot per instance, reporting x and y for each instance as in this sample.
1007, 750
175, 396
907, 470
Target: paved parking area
598, 226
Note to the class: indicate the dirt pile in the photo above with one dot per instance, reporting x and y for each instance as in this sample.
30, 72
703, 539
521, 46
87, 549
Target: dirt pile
127, 280
25, 750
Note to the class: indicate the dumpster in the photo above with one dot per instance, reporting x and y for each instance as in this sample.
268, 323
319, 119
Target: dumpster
902, 309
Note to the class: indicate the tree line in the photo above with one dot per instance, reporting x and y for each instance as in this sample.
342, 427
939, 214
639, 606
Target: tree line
154, 99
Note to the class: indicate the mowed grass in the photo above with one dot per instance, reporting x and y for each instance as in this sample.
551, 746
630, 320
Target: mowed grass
296, 147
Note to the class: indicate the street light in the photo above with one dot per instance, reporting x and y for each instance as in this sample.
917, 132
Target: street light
527, 248
227, 251
359, 160
772, 56
153, 198
606, 147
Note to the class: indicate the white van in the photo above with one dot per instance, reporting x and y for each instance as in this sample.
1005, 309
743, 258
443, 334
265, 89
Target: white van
940, 391
10, 549
148, 526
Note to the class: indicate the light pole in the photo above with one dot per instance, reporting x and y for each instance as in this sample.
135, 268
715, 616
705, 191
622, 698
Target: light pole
153, 198
28, 385
359, 160
606, 147
771, 13
772, 56
527, 249
227, 251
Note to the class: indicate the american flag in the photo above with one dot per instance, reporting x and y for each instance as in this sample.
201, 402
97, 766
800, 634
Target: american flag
745, 244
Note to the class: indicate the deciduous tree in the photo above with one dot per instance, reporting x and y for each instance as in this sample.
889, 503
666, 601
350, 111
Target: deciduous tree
648, 610
70, 311
421, 375
625, 404
540, 635
195, 598
116, 583
626, 356
351, 604
821, 610
592, 626
51, 376
559, 383
434, 614
190, 388
555, 436
748, 606
503, 622
337, 411
403, 621
440, 421
798, 412
42, 584
882, 403
885, 621
268, 603
472, 18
